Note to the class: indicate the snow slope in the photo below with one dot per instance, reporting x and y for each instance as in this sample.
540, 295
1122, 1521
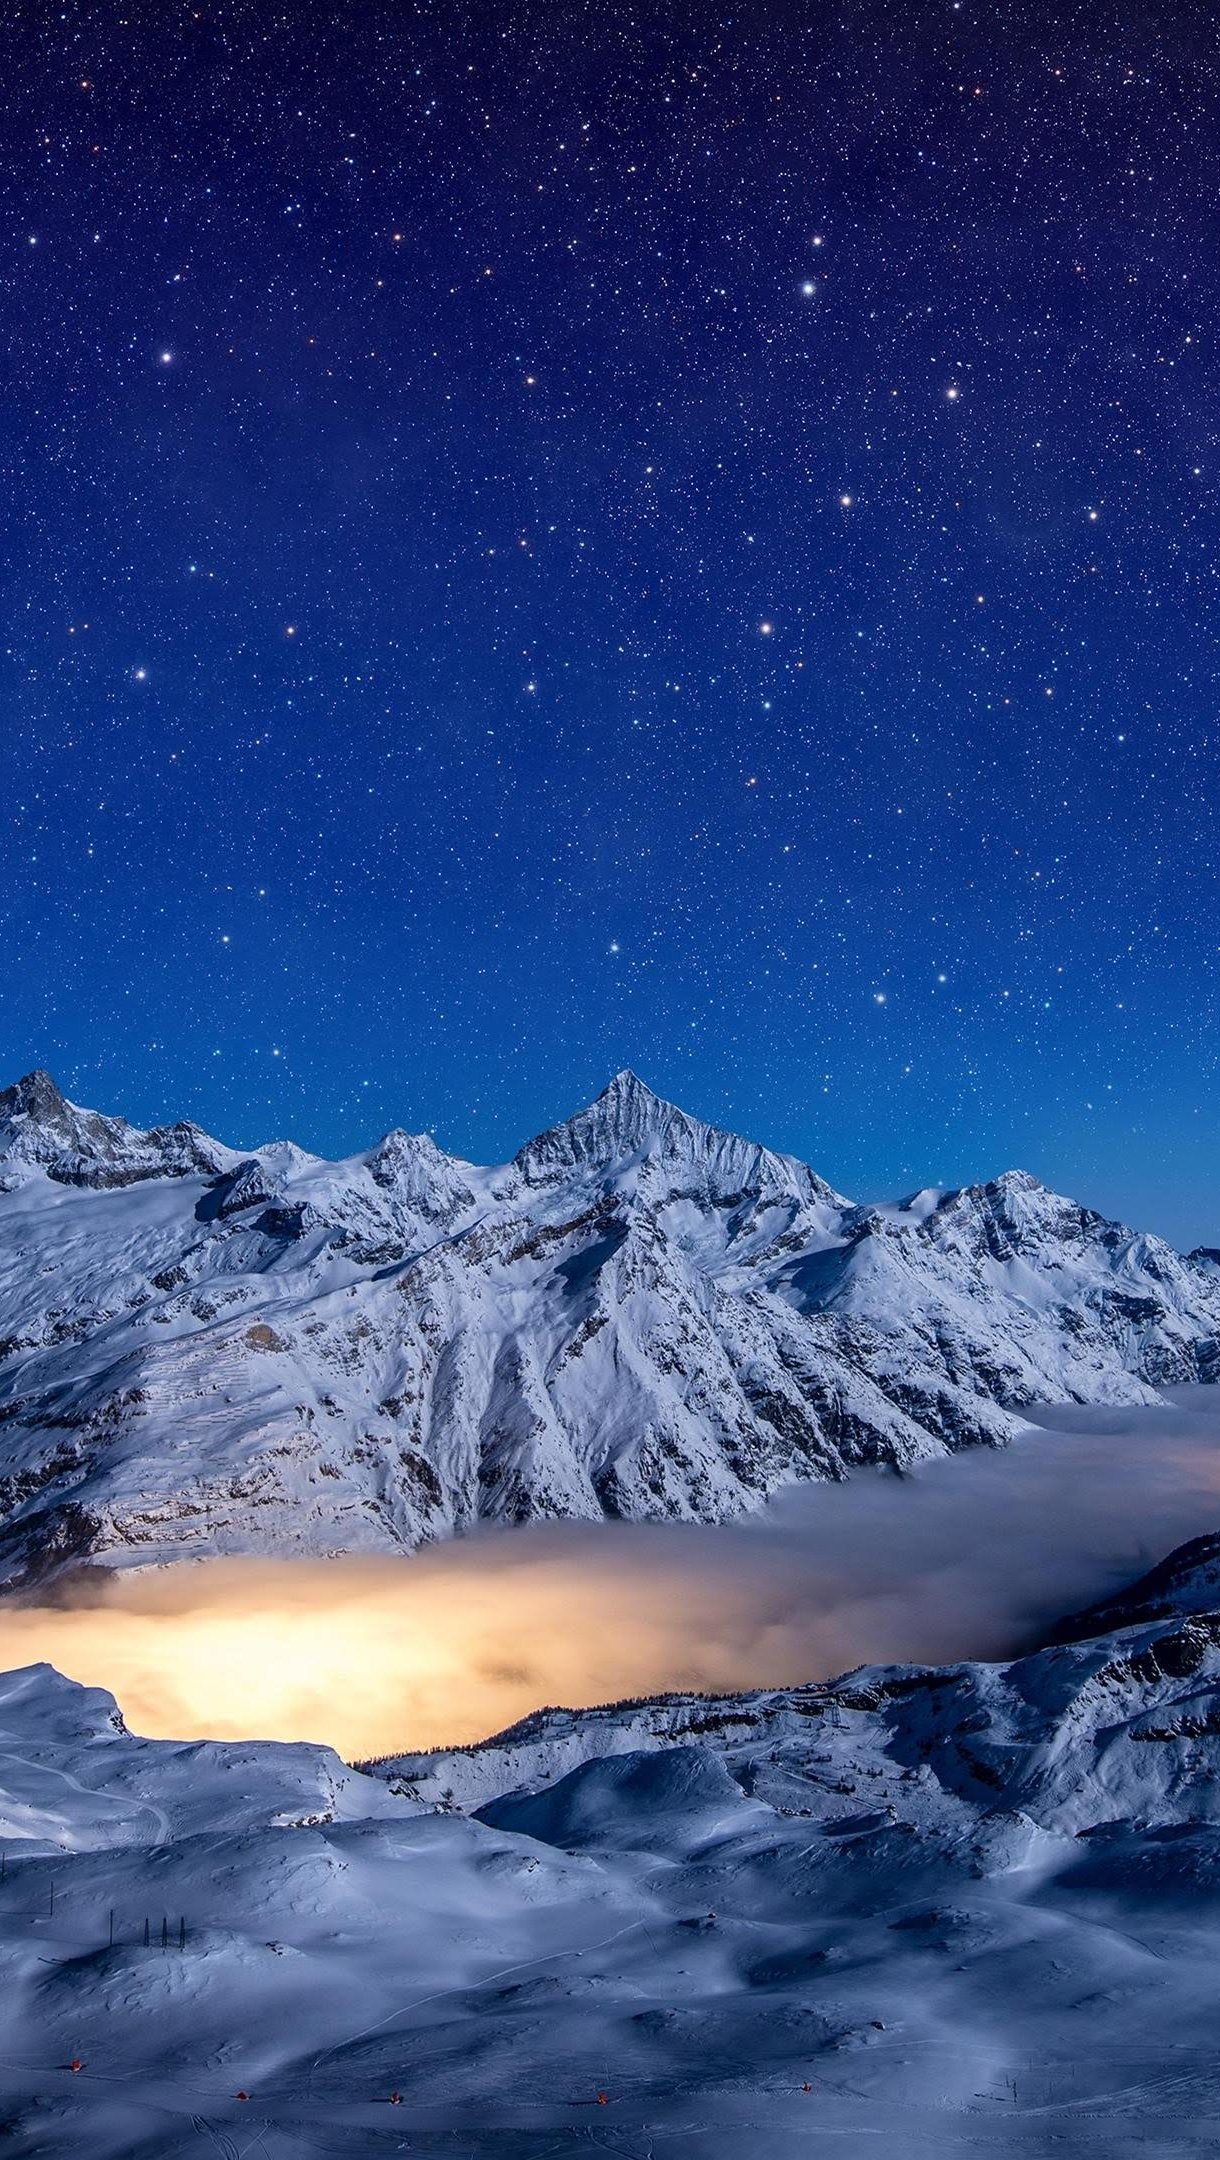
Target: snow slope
918, 1910
640, 1315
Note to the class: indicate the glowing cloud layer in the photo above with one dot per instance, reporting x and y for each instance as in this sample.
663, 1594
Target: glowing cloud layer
966, 1560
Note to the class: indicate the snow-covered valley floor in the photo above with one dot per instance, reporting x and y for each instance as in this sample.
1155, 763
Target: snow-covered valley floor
924, 1910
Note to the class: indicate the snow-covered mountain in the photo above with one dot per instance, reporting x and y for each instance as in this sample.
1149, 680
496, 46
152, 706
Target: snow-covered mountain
209, 1352
916, 1910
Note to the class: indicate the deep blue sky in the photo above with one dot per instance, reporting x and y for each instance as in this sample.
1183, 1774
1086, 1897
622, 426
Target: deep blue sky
414, 417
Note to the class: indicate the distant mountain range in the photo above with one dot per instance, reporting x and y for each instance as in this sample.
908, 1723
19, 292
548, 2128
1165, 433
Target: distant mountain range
208, 1352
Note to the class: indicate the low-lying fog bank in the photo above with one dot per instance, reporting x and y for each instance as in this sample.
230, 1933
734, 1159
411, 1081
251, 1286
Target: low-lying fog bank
967, 1559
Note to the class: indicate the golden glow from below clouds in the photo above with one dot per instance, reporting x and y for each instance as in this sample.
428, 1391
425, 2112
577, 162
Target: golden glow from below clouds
971, 1558
371, 1656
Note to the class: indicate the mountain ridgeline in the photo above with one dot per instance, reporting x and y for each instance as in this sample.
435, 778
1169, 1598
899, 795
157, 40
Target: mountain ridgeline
207, 1352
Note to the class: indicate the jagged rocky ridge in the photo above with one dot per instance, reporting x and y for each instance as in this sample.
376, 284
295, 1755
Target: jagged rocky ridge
208, 1352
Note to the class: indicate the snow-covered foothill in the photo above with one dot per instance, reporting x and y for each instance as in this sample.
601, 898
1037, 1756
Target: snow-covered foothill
917, 1910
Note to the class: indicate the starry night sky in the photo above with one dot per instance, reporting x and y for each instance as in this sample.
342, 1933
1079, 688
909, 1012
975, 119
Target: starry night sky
542, 537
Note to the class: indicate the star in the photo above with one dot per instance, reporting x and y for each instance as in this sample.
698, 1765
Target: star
934, 714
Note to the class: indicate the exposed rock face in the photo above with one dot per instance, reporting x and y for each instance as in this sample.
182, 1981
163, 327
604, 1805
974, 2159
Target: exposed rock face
38, 1126
411, 1168
630, 1135
640, 1315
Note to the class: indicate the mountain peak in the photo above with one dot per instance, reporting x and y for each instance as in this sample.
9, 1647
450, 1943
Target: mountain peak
36, 1121
633, 1105
630, 1127
1003, 1193
1013, 1181
420, 1175
625, 1120
35, 1097
630, 1105
41, 1129
626, 1082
